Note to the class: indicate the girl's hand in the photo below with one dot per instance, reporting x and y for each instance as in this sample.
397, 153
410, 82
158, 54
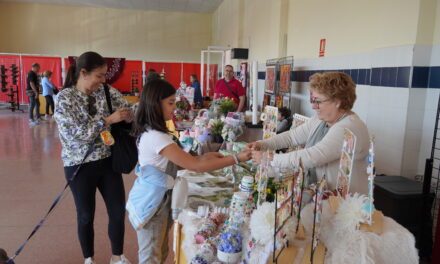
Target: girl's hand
254, 145
244, 156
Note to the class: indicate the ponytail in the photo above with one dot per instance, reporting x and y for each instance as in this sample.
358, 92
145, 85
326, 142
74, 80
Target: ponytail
71, 77
88, 61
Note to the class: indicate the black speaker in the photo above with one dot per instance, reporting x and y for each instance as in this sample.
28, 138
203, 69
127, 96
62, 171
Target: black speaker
239, 54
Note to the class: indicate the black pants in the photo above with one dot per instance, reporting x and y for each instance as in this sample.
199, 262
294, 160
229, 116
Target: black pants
49, 102
34, 103
98, 175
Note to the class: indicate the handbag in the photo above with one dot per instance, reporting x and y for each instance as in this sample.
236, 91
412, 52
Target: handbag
124, 150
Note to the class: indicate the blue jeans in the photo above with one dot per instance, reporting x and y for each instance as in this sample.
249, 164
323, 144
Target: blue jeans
34, 102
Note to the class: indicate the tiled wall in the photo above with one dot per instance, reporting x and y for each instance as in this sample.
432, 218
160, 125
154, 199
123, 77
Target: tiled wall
397, 94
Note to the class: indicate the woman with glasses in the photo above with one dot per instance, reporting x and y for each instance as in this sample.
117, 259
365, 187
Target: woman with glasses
332, 97
82, 113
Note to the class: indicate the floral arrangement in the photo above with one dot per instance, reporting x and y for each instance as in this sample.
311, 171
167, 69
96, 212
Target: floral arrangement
216, 126
224, 105
230, 241
270, 190
183, 103
231, 133
351, 213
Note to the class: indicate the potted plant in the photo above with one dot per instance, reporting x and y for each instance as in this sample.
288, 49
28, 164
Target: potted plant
227, 105
216, 131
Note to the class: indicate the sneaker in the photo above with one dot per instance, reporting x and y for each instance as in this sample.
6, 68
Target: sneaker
123, 260
41, 119
47, 117
89, 261
32, 122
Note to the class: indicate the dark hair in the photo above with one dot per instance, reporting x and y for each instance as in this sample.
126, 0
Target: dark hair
152, 75
88, 61
285, 112
35, 64
149, 114
194, 77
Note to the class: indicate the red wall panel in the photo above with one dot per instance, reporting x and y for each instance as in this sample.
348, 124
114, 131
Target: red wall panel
52, 64
7, 61
131, 70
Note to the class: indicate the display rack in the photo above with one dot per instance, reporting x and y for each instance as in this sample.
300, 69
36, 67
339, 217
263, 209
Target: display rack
13, 86
278, 82
431, 184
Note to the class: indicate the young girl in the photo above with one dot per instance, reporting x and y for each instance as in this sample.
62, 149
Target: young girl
149, 200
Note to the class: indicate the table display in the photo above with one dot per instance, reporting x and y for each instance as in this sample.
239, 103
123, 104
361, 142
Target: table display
254, 214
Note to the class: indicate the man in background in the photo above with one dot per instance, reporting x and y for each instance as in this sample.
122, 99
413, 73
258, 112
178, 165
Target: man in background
32, 91
230, 87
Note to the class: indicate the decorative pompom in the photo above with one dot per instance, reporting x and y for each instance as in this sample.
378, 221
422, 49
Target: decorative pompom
262, 223
350, 213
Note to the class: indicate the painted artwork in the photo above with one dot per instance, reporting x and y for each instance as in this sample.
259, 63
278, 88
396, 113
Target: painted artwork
317, 216
266, 100
279, 101
346, 163
285, 78
243, 74
269, 118
270, 79
286, 101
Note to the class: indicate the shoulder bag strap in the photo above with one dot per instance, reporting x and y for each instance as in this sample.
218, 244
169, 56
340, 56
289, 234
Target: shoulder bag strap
107, 97
229, 88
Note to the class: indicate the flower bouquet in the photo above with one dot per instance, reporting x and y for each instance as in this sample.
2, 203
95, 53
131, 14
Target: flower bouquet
229, 248
223, 105
216, 127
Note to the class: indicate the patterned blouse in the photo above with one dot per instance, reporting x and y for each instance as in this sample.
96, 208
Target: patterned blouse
78, 128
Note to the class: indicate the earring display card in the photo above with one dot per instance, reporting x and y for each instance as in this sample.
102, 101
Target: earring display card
298, 190
317, 216
270, 118
369, 207
346, 163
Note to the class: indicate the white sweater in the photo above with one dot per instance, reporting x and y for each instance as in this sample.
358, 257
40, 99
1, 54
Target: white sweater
324, 155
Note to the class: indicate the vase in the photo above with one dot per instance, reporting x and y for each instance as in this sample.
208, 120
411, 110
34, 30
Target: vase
229, 257
217, 138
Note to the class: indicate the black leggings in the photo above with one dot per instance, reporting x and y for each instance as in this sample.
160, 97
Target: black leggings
98, 175
49, 102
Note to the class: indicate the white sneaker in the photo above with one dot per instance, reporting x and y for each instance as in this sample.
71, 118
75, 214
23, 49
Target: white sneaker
89, 261
123, 260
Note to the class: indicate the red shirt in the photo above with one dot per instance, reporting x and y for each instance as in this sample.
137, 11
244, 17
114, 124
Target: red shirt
234, 84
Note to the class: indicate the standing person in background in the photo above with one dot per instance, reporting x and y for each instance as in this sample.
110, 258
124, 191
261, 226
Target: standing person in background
198, 99
230, 87
82, 113
32, 91
48, 91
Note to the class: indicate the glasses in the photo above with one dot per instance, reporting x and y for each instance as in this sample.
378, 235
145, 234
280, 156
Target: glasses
91, 105
318, 102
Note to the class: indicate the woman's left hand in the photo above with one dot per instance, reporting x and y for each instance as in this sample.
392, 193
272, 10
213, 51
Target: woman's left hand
257, 156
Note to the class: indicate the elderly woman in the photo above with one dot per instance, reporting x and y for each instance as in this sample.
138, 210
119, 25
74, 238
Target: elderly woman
333, 95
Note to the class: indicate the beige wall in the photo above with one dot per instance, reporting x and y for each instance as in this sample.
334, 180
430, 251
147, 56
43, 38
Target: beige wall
436, 38
350, 26
254, 24
71, 30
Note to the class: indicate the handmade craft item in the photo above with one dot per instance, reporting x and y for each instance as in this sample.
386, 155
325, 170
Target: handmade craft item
107, 138
317, 216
